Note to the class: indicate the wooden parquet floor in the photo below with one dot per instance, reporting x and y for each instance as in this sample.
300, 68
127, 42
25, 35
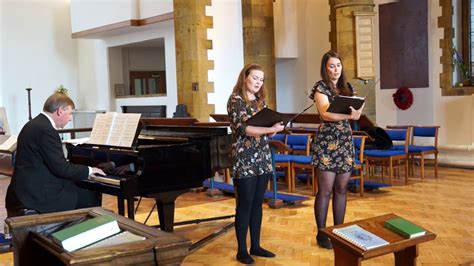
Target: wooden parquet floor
444, 206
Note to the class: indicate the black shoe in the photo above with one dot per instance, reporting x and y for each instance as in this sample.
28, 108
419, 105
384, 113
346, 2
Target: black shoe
261, 252
324, 242
245, 258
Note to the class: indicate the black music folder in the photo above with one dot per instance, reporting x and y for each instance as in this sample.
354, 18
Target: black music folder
341, 104
267, 118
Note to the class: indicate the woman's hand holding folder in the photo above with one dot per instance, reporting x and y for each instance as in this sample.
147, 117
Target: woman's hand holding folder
355, 114
277, 127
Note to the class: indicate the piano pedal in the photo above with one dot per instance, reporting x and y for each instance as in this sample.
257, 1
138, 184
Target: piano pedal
197, 190
214, 193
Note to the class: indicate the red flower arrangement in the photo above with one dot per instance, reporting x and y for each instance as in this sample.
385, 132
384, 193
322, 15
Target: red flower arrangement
403, 98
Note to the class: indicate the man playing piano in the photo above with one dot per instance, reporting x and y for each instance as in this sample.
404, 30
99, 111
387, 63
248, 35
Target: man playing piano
43, 180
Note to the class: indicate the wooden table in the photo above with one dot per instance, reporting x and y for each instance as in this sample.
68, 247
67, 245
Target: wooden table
32, 243
405, 250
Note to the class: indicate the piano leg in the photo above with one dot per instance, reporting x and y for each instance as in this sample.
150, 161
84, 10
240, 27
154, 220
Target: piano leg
131, 208
165, 205
120, 206
166, 215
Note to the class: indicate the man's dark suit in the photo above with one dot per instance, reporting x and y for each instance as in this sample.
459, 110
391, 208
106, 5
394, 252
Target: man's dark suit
42, 178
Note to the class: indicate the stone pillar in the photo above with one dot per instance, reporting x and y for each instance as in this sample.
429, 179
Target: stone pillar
342, 38
259, 41
192, 65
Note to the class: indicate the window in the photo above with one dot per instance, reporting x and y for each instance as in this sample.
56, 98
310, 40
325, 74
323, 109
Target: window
467, 17
470, 40
448, 21
147, 82
463, 55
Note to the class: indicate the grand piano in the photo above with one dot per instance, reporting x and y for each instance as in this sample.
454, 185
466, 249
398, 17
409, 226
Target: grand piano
169, 160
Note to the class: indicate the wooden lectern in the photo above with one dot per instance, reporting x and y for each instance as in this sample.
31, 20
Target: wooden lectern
405, 249
32, 243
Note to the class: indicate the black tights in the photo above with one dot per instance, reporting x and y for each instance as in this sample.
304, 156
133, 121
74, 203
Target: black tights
250, 193
337, 184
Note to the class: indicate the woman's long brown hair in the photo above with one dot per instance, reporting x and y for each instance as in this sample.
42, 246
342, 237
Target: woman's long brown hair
240, 89
341, 82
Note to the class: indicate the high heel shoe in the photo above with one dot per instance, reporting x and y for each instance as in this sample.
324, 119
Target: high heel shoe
324, 242
244, 258
261, 252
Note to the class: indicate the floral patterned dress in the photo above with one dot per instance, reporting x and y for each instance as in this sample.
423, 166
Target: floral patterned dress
251, 156
332, 149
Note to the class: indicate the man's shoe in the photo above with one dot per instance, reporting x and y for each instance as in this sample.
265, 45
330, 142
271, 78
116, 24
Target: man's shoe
324, 242
261, 252
244, 258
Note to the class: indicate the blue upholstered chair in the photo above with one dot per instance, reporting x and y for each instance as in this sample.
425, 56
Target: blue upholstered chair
301, 160
420, 151
298, 142
282, 157
396, 157
359, 148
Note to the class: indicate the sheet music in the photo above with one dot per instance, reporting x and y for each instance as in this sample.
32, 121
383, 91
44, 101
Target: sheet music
9, 143
101, 128
114, 129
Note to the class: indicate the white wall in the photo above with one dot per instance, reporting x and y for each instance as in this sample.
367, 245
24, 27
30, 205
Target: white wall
296, 77
150, 8
286, 28
37, 51
146, 59
116, 69
93, 84
88, 14
227, 53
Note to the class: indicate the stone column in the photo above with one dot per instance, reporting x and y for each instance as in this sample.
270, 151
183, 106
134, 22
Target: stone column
192, 65
342, 38
259, 41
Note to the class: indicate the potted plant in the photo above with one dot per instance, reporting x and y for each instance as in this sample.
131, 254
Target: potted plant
462, 67
61, 89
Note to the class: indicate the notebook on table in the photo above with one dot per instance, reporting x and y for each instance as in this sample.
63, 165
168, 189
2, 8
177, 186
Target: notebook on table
360, 237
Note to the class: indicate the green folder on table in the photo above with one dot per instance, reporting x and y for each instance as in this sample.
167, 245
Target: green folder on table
86, 233
404, 227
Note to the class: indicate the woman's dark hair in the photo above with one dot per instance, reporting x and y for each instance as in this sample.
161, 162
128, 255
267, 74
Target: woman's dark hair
239, 87
341, 86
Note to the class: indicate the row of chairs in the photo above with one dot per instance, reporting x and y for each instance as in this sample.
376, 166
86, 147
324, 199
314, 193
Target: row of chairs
407, 150
423, 141
293, 155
